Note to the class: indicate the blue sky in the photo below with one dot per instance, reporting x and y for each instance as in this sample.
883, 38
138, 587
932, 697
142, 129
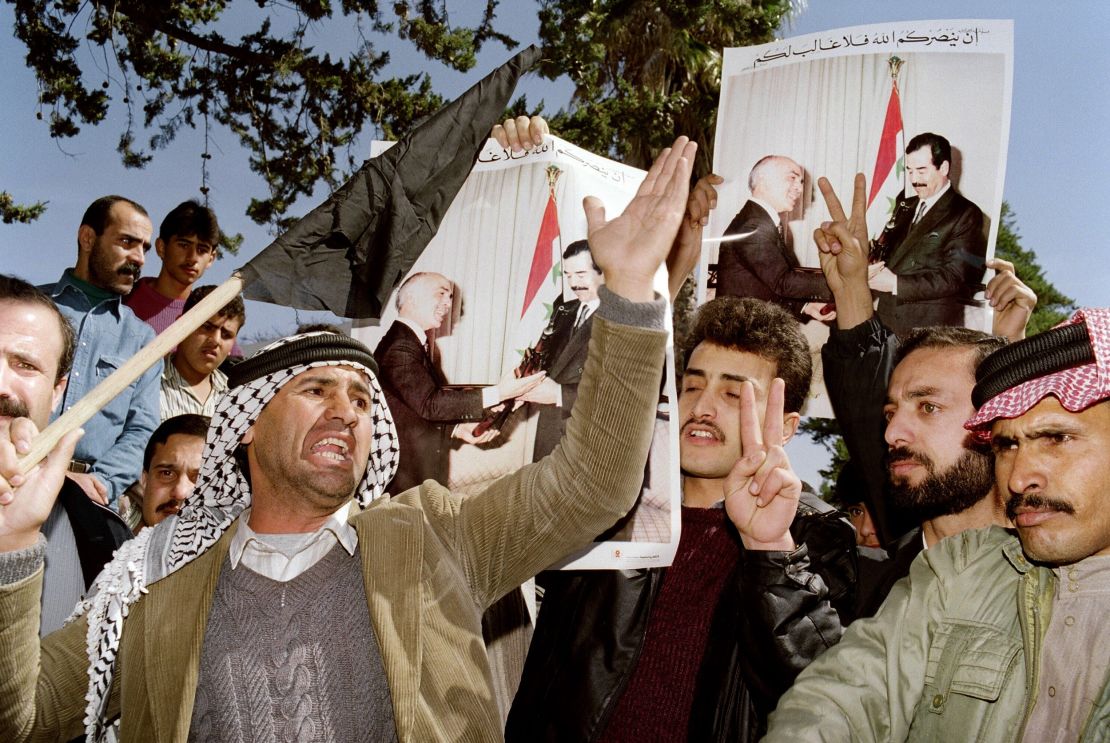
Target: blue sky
1058, 145
1058, 129
1058, 142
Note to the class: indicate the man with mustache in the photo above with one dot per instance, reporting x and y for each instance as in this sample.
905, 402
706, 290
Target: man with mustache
112, 242
996, 636
171, 464
937, 246
566, 339
36, 353
901, 404
289, 600
428, 413
701, 650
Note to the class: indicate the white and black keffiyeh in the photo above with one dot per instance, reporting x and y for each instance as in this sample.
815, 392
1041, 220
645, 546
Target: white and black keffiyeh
221, 493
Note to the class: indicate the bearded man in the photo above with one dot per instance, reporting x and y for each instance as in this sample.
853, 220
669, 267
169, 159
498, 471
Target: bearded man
112, 242
996, 636
901, 404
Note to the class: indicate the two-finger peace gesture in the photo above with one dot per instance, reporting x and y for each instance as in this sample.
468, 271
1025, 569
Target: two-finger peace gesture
843, 242
762, 491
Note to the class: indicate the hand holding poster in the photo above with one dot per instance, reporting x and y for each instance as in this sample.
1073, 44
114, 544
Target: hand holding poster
896, 103
503, 298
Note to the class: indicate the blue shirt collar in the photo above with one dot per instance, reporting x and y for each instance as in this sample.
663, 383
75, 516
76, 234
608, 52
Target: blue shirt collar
68, 282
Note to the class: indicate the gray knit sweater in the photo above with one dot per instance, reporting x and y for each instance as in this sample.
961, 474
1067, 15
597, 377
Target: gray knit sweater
295, 661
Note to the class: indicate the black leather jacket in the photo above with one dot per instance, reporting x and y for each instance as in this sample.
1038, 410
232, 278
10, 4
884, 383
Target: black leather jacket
773, 619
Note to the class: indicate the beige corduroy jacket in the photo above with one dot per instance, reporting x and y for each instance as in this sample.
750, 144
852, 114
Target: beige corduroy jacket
432, 562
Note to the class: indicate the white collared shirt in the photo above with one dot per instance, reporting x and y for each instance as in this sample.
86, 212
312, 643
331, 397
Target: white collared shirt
769, 209
589, 309
420, 332
282, 557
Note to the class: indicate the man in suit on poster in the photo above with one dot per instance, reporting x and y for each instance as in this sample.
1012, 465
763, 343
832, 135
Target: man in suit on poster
761, 265
937, 248
427, 412
566, 340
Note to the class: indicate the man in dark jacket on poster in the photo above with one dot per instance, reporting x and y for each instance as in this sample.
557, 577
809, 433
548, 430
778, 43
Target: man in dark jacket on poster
938, 248
758, 262
702, 649
427, 411
566, 339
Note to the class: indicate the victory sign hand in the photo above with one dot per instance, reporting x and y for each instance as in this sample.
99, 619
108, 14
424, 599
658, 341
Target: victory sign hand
762, 491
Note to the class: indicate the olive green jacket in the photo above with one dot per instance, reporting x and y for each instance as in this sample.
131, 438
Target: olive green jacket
951, 656
432, 562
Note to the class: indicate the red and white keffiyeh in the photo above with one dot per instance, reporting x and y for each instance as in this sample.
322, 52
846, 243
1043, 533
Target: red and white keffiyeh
1077, 388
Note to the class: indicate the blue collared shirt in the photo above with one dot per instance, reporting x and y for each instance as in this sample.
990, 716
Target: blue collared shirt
108, 334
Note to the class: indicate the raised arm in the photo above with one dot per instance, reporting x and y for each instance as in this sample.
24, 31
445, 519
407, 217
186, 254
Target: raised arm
842, 245
532, 518
41, 690
1011, 299
859, 355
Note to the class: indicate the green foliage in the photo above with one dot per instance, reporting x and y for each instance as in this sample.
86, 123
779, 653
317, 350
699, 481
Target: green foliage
826, 432
642, 70
296, 110
12, 212
1053, 306
646, 71
229, 244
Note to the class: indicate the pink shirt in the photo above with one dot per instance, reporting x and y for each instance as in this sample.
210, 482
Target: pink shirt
157, 311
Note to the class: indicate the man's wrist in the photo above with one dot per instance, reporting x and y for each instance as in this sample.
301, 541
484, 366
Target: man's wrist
491, 396
619, 309
853, 306
785, 544
21, 562
632, 289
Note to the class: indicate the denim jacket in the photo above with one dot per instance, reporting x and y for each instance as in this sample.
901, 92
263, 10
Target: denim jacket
108, 334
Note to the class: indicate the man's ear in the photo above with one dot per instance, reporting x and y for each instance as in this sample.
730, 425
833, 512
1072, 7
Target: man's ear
142, 480
248, 437
86, 238
59, 390
790, 423
160, 248
944, 168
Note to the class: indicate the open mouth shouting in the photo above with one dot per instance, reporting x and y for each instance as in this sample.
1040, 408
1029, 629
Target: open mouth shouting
333, 448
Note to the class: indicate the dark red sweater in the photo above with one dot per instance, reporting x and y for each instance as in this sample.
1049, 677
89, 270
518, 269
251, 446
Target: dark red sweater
656, 703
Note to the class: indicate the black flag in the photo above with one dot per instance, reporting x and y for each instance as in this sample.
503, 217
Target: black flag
347, 254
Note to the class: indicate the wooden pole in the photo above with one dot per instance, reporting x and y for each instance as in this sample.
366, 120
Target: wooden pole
102, 394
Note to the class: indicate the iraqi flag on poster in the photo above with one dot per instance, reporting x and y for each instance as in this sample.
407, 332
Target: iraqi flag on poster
543, 286
887, 180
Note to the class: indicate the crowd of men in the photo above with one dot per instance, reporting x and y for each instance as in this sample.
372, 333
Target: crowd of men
286, 574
